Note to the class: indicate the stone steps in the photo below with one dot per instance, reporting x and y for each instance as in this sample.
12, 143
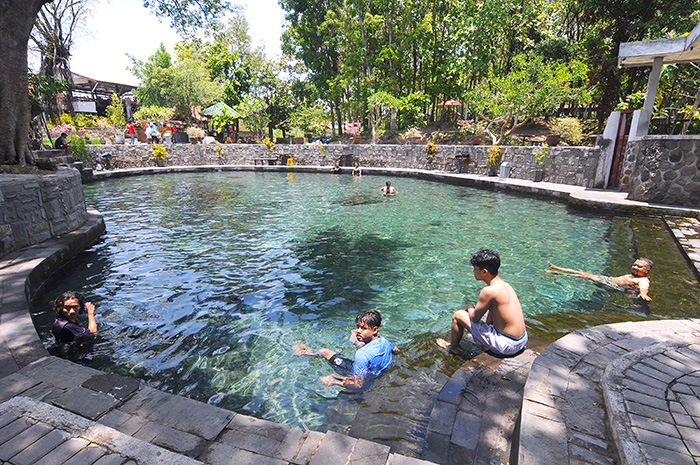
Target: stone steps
194, 431
33, 432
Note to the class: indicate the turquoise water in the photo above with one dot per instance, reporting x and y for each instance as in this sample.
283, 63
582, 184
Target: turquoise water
204, 281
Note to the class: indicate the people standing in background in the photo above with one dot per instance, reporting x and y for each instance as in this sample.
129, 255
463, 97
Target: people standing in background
131, 129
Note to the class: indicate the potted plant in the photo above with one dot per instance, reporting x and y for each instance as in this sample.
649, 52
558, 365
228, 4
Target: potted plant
540, 154
269, 144
160, 152
553, 139
195, 134
493, 160
430, 151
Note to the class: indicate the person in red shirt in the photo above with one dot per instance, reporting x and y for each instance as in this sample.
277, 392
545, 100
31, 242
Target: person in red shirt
132, 130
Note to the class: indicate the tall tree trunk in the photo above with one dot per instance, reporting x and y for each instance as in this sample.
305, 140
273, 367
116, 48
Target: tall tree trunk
16, 23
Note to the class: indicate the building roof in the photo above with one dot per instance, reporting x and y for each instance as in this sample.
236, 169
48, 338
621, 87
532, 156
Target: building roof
678, 50
97, 87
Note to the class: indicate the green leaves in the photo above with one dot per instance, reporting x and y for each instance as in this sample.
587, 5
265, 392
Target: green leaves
509, 101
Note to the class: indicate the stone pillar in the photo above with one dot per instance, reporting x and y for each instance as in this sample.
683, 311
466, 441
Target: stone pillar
641, 118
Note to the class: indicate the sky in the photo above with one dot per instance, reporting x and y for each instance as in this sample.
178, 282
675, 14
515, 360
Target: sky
117, 27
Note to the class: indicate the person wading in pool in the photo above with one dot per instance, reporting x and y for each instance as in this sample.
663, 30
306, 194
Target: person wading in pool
504, 331
388, 189
637, 280
374, 355
73, 341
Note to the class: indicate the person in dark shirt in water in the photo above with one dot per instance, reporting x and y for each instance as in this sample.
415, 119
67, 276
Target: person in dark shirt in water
72, 340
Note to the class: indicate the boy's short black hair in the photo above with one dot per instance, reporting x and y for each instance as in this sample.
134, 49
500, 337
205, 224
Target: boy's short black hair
371, 318
486, 259
58, 303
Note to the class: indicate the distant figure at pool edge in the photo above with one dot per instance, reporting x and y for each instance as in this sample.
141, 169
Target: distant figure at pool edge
503, 332
374, 355
637, 280
357, 171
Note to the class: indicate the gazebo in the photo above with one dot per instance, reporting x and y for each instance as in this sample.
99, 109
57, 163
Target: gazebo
216, 109
656, 53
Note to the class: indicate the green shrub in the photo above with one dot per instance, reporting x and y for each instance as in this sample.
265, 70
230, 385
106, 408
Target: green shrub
84, 120
78, 148
569, 129
66, 118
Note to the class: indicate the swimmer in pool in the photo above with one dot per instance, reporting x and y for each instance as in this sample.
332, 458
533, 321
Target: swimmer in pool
388, 189
374, 355
637, 280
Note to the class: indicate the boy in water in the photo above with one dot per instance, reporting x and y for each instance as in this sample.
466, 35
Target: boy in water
73, 341
637, 280
374, 355
503, 332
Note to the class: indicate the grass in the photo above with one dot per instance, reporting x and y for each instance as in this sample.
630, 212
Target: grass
17, 169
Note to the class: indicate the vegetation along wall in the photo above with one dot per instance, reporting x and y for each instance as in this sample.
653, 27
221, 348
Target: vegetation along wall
36, 208
564, 165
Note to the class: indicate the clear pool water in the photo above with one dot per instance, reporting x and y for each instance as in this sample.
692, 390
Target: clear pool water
204, 281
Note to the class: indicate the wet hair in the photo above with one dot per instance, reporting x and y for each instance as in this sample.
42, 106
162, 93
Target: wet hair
371, 318
388, 183
647, 262
486, 259
58, 303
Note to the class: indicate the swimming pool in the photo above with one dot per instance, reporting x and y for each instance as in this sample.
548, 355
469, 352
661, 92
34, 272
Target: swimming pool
204, 281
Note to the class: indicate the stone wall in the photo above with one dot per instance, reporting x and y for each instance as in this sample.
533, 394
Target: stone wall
663, 169
564, 165
36, 208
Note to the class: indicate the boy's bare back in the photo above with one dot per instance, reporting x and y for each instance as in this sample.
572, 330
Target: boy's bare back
504, 310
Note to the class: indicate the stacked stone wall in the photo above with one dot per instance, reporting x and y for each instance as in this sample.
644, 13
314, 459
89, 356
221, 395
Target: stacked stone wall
663, 169
36, 208
564, 165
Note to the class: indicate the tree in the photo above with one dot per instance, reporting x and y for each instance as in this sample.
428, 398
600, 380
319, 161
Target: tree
53, 37
507, 102
156, 76
16, 21
600, 26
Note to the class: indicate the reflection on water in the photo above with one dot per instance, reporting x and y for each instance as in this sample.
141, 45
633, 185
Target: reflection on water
203, 282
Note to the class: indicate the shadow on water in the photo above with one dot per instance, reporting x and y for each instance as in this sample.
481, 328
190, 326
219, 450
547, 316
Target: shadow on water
358, 199
674, 289
344, 273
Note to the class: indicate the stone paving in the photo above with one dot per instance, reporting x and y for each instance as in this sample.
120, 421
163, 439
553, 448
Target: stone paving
642, 374
687, 233
55, 412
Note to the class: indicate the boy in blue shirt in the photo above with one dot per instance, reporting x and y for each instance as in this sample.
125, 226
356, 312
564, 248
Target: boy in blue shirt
373, 356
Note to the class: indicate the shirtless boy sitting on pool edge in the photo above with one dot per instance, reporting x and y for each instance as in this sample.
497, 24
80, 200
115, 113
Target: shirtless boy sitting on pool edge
504, 331
637, 280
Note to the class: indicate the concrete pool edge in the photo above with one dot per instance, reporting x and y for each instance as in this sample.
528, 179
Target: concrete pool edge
576, 197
